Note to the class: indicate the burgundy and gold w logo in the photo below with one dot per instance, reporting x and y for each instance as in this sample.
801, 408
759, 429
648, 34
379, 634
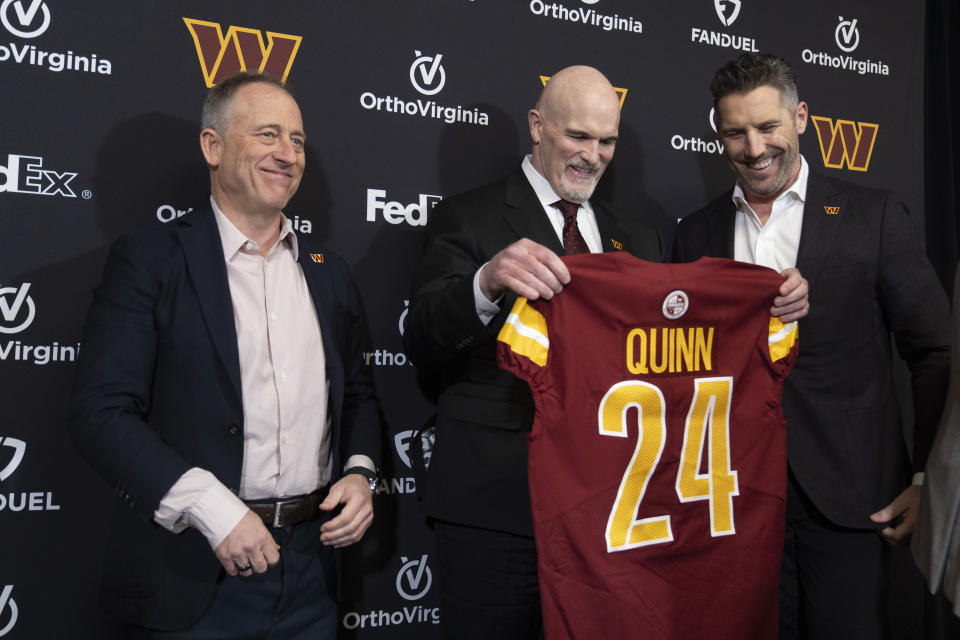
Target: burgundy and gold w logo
241, 49
845, 143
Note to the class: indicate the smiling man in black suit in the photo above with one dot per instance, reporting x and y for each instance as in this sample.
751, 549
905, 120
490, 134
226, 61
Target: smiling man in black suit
869, 276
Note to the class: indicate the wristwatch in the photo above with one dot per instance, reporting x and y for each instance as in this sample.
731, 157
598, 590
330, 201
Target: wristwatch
373, 477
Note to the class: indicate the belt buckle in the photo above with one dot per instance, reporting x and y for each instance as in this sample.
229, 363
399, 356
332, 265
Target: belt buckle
276, 511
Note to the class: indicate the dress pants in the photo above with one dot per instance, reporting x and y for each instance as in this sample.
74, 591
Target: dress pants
488, 584
833, 580
293, 600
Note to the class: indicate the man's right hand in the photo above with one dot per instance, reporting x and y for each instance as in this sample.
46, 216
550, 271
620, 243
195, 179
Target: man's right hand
528, 269
249, 544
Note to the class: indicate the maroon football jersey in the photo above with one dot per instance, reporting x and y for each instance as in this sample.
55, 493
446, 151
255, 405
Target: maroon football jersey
657, 459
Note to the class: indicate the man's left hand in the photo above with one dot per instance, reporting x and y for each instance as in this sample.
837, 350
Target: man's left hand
792, 303
905, 505
353, 492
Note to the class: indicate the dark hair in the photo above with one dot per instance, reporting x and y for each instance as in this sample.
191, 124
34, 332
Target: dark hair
219, 98
752, 70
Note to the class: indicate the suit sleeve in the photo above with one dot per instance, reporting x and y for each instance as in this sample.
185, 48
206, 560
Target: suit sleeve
111, 394
916, 310
442, 323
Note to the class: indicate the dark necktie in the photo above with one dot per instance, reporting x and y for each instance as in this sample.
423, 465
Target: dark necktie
573, 242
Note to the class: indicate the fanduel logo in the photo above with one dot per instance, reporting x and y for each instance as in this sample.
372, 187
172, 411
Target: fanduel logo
845, 143
414, 578
25, 22
428, 77
242, 49
29, 501
19, 448
414, 214
25, 174
12, 303
727, 11
7, 602
591, 17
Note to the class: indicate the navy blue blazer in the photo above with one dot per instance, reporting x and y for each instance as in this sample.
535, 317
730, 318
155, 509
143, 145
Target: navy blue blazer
158, 392
869, 277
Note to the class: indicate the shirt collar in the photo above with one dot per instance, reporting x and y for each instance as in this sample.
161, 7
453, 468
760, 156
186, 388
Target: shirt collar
545, 193
798, 189
233, 240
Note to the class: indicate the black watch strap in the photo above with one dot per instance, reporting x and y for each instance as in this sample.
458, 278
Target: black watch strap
373, 477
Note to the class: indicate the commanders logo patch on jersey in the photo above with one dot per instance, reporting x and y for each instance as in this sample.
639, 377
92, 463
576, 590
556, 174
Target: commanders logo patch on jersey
675, 304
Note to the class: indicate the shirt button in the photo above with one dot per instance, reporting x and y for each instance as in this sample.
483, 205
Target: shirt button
233, 430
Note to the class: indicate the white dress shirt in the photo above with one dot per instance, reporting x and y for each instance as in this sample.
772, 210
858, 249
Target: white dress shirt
586, 221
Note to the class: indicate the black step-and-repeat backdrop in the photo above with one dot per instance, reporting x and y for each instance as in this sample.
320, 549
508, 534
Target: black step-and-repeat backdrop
404, 102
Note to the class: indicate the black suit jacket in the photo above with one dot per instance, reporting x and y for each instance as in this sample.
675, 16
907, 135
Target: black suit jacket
478, 469
158, 392
862, 255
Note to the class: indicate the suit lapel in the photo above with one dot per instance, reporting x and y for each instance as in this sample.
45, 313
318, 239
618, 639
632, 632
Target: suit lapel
823, 209
720, 226
612, 237
319, 285
203, 252
525, 214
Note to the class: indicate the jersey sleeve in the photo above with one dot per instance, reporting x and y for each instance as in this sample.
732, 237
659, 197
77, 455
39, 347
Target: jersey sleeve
782, 345
523, 344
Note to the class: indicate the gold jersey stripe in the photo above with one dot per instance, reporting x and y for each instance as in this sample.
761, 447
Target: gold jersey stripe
781, 338
525, 331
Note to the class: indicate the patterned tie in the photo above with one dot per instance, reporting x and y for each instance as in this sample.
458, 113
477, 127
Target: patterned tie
573, 242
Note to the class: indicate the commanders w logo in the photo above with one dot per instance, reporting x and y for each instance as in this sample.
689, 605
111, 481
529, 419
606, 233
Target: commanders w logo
621, 92
241, 49
842, 143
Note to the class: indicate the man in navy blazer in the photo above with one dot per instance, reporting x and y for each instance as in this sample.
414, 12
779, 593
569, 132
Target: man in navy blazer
222, 394
869, 278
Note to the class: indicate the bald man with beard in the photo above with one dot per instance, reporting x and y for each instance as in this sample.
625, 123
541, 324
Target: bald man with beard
482, 249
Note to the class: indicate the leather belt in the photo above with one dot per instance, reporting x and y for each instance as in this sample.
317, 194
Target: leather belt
280, 513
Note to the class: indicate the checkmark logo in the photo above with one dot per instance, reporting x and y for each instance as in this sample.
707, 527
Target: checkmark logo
12, 301
426, 73
847, 35
25, 17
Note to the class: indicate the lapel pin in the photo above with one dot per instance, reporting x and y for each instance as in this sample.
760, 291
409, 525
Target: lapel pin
832, 211
317, 257
617, 245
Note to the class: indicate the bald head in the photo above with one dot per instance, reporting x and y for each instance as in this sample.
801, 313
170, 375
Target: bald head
574, 130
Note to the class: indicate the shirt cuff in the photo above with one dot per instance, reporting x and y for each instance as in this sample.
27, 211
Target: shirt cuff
486, 310
200, 501
360, 460
918, 478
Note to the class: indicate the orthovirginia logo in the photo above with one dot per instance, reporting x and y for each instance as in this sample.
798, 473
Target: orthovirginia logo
414, 578
6, 601
241, 49
697, 144
591, 17
413, 582
11, 318
29, 19
847, 37
428, 77
845, 142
